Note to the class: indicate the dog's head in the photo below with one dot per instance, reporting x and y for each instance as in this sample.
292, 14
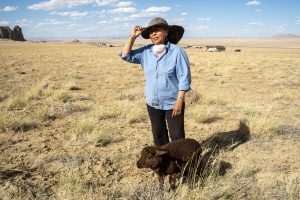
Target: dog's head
151, 157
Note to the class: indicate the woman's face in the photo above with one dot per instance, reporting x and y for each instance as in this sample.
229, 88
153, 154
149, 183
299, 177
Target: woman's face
158, 34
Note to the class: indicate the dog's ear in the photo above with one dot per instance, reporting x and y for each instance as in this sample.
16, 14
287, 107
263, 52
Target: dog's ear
159, 153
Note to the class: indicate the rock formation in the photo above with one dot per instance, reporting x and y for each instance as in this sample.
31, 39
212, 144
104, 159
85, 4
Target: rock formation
5, 32
15, 34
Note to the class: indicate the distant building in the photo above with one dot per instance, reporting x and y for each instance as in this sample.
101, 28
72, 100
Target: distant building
217, 48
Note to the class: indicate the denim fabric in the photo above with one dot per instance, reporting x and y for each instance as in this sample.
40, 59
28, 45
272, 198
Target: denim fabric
164, 76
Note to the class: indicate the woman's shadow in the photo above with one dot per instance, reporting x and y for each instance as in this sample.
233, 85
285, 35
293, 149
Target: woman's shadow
205, 159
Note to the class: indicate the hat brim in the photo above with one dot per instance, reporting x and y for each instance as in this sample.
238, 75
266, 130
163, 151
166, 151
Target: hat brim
174, 36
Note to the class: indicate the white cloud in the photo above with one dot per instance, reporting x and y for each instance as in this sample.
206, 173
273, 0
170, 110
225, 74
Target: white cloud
121, 19
281, 28
246, 30
103, 22
52, 22
9, 8
183, 13
74, 25
256, 23
204, 19
197, 29
106, 2
59, 4
143, 15
124, 4
298, 20
87, 29
203, 27
253, 3
100, 13
24, 22
122, 10
177, 20
258, 10
151, 12
72, 14
157, 9
4, 23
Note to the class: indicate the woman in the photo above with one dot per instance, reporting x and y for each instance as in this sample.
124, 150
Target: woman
168, 78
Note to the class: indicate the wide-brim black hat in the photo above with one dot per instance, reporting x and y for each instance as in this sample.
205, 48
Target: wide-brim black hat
175, 32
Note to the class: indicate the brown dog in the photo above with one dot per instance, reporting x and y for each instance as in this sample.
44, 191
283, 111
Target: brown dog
169, 159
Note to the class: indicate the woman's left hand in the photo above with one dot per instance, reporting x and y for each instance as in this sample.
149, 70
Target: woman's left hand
177, 108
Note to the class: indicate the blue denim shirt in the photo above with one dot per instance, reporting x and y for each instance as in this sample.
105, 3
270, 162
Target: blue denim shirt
164, 76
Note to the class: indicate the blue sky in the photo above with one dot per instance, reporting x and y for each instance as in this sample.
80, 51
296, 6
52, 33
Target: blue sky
115, 18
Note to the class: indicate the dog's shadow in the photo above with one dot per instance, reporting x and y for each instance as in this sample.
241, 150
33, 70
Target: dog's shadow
206, 160
227, 140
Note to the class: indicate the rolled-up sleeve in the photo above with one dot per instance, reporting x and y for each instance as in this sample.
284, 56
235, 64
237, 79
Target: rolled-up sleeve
183, 71
135, 56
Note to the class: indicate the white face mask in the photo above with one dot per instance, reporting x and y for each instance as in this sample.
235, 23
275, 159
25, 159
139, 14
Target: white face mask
159, 49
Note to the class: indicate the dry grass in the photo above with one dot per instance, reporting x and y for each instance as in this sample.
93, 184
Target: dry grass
80, 109
16, 122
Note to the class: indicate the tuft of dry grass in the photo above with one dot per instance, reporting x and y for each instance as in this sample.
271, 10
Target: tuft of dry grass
193, 97
73, 86
264, 125
292, 187
16, 122
261, 120
84, 126
105, 135
102, 112
16, 103
205, 114
62, 96
44, 113
3, 96
71, 185
133, 112
124, 110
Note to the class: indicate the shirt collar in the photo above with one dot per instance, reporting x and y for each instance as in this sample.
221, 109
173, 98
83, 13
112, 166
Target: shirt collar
169, 46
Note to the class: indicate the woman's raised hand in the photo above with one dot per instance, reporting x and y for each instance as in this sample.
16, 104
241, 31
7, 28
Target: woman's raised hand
136, 32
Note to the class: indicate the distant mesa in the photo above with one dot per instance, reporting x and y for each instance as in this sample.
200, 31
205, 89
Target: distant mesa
76, 41
286, 36
15, 34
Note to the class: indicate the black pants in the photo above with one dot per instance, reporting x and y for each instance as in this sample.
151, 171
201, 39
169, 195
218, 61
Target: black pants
158, 120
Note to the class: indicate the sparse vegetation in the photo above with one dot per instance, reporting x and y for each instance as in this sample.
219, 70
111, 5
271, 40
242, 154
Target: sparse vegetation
16, 103
72, 124
84, 126
102, 112
106, 134
44, 113
16, 122
71, 184
205, 114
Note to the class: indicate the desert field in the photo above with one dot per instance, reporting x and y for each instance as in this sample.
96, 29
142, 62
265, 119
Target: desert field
74, 120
